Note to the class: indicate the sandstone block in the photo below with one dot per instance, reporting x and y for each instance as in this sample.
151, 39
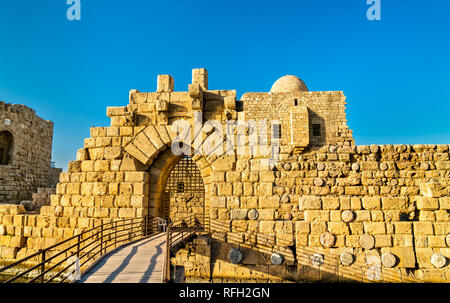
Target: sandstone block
310, 202
424, 203
371, 203
375, 228
399, 203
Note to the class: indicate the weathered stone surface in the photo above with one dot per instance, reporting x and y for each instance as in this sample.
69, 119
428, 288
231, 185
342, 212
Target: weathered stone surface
438, 260
327, 239
388, 260
310, 202
375, 197
367, 241
235, 256
276, 259
346, 258
317, 260
239, 214
348, 216
253, 214
287, 166
319, 182
285, 199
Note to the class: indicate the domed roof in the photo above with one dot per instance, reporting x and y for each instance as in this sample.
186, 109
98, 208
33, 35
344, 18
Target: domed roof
289, 84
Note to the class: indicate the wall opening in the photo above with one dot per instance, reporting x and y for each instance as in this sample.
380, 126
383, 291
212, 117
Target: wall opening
185, 194
316, 130
276, 131
6, 147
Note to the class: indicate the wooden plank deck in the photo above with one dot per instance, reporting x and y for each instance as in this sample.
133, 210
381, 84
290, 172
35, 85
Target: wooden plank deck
139, 262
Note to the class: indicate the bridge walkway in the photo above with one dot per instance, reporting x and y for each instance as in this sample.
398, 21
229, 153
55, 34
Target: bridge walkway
138, 262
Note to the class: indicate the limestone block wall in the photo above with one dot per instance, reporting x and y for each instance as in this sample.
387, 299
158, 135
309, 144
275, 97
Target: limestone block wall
332, 212
326, 109
29, 166
362, 213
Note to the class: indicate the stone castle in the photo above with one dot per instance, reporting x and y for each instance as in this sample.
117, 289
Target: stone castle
316, 208
25, 154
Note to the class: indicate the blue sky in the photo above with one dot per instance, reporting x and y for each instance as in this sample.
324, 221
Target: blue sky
395, 72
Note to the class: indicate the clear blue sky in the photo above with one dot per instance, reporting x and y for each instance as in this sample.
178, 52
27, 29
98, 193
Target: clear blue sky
395, 72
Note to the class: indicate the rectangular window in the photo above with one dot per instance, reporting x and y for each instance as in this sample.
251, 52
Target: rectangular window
316, 130
295, 102
276, 131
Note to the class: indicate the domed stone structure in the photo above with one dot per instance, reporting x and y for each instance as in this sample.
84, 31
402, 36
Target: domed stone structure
289, 84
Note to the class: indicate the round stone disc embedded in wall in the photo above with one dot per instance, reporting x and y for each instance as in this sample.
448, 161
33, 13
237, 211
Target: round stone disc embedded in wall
235, 256
388, 260
383, 166
285, 199
253, 214
447, 240
367, 241
317, 260
355, 166
332, 149
394, 182
320, 166
346, 259
347, 216
327, 239
287, 166
276, 259
438, 260
318, 182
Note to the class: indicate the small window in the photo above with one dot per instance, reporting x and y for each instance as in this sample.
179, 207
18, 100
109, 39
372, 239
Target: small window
180, 187
6, 147
276, 131
316, 130
295, 102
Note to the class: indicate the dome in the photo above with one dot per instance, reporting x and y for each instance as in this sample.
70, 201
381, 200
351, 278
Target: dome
289, 84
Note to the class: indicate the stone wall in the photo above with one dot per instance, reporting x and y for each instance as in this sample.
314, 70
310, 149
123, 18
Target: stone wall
327, 210
29, 164
361, 213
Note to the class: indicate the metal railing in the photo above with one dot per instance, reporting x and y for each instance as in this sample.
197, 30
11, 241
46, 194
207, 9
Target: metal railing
177, 233
65, 260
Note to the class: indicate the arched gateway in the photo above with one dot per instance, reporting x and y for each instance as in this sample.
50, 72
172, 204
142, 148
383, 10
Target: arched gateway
184, 195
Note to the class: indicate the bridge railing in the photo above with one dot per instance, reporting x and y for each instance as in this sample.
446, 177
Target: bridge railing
65, 260
178, 232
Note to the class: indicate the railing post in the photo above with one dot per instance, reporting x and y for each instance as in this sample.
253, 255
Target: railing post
78, 245
167, 261
101, 239
42, 266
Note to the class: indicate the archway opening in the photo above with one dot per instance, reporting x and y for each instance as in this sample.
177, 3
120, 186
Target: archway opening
184, 195
6, 147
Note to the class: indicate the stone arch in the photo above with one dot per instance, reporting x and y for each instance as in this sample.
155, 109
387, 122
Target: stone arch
152, 147
6, 147
159, 173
